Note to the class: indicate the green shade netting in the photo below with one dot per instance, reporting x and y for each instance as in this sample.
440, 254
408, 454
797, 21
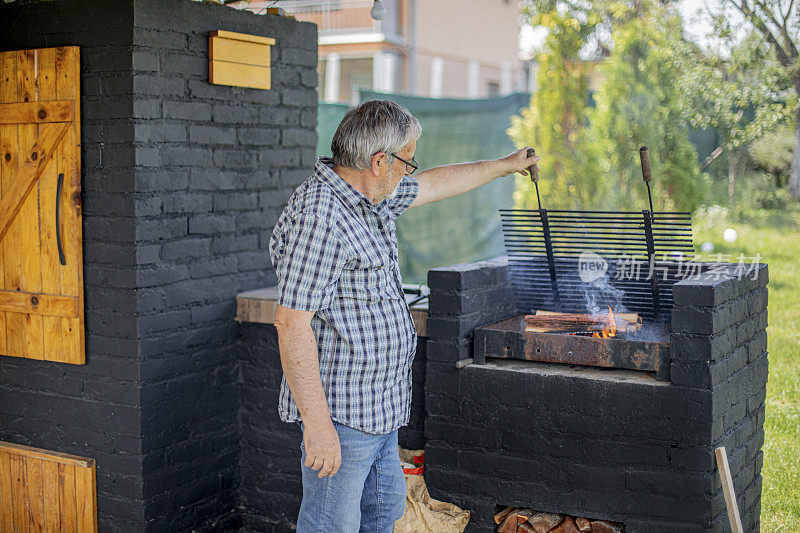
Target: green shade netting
460, 229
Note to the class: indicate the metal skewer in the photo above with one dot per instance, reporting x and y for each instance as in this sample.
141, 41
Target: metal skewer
533, 170
647, 175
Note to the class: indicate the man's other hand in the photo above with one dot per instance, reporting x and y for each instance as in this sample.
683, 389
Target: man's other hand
519, 161
323, 451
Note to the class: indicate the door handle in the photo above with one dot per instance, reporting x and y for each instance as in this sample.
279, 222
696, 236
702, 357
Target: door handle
61, 258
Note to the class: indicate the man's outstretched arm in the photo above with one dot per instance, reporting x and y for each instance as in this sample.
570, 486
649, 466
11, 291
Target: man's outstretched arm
447, 181
300, 362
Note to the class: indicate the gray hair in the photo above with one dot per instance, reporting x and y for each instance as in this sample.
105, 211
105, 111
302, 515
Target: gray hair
372, 127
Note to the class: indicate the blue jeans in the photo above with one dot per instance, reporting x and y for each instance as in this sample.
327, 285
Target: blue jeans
366, 495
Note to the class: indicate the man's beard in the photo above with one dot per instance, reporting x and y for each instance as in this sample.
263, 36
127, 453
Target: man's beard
393, 193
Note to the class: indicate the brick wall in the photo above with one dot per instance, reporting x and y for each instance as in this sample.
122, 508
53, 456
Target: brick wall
601, 443
182, 184
215, 164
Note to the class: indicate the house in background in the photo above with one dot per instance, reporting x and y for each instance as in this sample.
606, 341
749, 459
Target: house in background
434, 48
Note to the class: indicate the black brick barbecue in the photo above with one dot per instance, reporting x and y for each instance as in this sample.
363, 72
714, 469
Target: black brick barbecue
618, 429
614, 444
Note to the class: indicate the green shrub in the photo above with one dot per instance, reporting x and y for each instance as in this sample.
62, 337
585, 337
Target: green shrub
772, 153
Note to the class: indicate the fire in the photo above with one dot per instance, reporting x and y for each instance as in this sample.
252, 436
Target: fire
610, 329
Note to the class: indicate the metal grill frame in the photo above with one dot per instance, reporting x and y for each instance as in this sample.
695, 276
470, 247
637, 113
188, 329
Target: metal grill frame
544, 247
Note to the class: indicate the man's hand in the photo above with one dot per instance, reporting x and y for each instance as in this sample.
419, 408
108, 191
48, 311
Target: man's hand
519, 161
446, 181
323, 451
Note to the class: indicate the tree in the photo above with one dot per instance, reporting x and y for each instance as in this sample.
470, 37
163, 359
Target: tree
639, 103
778, 23
593, 163
555, 122
742, 95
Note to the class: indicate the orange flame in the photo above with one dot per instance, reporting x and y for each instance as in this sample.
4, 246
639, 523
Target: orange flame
610, 329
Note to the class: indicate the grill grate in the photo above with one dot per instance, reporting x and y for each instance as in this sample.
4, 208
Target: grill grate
643, 252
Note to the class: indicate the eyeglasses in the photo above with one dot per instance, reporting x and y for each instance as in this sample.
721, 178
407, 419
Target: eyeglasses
411, 166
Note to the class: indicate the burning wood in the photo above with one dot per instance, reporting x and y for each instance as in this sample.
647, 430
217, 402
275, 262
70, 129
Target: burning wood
523, 520
604, 325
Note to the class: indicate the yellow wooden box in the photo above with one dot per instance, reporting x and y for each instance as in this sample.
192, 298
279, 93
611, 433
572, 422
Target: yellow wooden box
239, 60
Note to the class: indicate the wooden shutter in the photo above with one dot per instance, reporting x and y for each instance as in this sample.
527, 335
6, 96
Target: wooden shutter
42, 490
41, 256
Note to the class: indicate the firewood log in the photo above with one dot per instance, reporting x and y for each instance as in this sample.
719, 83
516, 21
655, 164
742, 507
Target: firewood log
630, 317
584, 524
544, 522
571, 323
525, 527
574, 328
603, 526
567, 526
633, 329
523, 515
510, 524
499, 517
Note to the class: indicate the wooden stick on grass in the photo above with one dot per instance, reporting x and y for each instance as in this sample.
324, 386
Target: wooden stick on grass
727, 490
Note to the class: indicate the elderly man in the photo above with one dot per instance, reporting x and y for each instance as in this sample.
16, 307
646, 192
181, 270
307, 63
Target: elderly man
345, 332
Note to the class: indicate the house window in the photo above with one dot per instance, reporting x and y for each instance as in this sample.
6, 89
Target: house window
494, 88
356, 74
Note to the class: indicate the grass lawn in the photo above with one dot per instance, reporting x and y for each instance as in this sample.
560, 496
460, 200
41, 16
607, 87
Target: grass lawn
775, 235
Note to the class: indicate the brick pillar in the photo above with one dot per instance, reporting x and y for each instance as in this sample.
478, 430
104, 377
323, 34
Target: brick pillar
462, 297
719, 343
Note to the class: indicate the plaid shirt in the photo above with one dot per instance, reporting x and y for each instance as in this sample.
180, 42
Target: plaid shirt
335, 253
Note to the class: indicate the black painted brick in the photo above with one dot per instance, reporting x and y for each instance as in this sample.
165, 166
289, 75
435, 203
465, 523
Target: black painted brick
456, 302
702, 320
449, 350
705, 290
240, 159
191, 110
259, 136
160, 133
213, 135
146, 108
702, 347
236, 114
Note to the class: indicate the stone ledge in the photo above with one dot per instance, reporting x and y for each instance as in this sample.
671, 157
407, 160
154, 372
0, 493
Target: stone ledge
258, 307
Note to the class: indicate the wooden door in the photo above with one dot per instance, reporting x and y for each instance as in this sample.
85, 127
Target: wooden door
41, 256
41, 490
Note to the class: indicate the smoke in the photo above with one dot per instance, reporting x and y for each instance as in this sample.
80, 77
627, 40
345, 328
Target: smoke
599, 295
653, 332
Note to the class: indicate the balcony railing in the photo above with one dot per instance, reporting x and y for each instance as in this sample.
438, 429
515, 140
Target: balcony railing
336, 17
